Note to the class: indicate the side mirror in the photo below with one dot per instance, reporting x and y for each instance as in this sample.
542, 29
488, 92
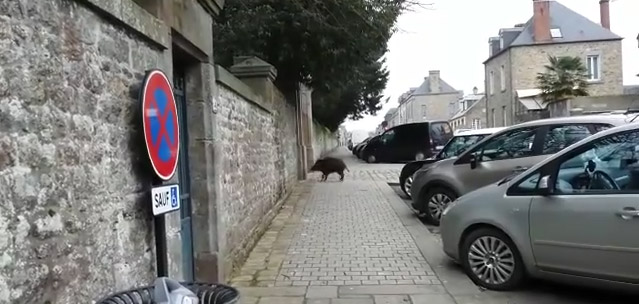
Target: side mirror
472, 159
544, 186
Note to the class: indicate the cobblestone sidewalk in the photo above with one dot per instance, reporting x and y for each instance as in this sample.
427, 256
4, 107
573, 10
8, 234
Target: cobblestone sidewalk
339, 243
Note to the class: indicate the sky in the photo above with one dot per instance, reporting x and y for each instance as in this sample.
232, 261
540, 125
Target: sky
452, 36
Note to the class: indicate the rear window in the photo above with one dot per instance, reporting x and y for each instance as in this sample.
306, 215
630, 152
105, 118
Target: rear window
440, 133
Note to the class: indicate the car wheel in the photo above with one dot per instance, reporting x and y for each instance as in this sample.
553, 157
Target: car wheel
407, 185
436, 201
419, 156
492, 260
371, 159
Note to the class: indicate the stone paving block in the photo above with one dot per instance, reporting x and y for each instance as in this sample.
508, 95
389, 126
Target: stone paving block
322, 292
392, 299
281, 300
392, 289
352, 301
248, 300
435, 299
272, 291
318, 301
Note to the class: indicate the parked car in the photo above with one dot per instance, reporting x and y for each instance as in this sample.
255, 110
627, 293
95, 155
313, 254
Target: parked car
414, 141
361, 148
359, 145
455, 146
572, 217
499, 155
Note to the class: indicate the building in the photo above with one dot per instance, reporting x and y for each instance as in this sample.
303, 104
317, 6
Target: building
388, 118
471, 112
518, 54
429, 101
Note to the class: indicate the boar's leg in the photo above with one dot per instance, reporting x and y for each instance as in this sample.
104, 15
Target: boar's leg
341, 176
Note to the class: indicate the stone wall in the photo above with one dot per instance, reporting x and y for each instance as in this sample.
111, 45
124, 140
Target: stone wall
259, 163
74, 222
324, 140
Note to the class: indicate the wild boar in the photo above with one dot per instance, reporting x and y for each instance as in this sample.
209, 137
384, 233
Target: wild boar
330, 165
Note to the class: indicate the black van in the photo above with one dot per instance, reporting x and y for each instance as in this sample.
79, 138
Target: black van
408, 142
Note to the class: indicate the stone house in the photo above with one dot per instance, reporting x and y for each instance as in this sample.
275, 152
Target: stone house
429, 101
518, 54
471, 114
76, 221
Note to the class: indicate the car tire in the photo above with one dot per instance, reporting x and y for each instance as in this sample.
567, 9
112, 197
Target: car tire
503, 259
420, 156
406, 186
436, 201
371, 159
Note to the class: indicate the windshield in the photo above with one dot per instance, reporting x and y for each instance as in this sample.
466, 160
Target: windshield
440, 133
459, 144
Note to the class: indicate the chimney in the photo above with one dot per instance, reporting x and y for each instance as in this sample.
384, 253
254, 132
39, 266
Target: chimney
433, 81
541, 20
475, 91
604, 11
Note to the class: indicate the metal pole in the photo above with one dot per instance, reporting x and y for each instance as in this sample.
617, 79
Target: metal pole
160, 246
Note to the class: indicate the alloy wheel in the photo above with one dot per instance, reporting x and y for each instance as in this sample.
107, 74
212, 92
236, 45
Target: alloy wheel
408, 184
419, 156
437, 203
491, 260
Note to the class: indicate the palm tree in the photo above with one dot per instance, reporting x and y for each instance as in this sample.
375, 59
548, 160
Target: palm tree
565, 77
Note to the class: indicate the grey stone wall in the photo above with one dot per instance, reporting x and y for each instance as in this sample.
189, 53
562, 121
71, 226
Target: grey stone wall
498, 99
259, 150
74, 223
324, 140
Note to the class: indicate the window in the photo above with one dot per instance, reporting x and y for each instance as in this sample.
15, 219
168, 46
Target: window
493, 116
501, 43
610, 164
440, 133
476, 123
560, 137
423, 111
527, 186
514, 144
556, 33
594, 66
503, 110
388, 136
459, 144
502, 78
491, 83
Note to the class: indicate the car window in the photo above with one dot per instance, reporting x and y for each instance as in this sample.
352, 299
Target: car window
388, 136
440, 133
600, 127
609, 165
457, 145
527, 185
514, 144
560, 137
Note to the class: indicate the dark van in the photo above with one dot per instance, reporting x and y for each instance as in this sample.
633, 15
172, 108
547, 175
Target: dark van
414, 141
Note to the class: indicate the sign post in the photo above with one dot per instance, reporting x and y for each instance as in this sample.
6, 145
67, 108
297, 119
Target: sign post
162, 140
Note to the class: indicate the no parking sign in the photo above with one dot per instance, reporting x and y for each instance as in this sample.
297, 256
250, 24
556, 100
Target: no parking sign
162, 138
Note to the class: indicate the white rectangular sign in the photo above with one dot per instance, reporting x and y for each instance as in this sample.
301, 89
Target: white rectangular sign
165, 199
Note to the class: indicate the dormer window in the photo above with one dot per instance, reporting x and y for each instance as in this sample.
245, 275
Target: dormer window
501, 43
556, 33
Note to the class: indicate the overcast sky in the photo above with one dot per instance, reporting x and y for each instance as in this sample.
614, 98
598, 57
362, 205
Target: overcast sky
453, 37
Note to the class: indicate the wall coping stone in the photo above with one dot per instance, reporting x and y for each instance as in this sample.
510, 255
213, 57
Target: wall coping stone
251, 66
134, 17
238, 86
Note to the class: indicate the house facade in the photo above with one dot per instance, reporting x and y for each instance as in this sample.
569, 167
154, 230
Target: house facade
471, 113
429, 101
518, 54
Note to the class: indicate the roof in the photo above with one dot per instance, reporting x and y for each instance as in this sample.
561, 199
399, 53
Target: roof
531, 99
462, 113
424, 88
574, 28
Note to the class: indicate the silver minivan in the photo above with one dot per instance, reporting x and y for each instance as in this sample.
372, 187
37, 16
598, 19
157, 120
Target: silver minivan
511, 150
573, 217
